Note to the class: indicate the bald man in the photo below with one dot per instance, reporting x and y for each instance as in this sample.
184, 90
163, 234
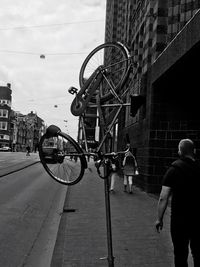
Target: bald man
182, 183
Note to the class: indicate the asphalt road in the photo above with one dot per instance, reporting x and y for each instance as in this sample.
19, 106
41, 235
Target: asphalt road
31, 204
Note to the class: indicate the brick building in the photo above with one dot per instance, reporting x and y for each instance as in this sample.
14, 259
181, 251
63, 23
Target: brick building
27, 131
163, 37
5, 112
18, 130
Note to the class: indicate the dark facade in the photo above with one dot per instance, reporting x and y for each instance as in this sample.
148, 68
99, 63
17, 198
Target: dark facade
174, 99
163, 38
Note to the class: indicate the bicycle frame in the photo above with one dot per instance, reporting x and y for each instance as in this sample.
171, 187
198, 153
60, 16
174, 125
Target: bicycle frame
69, 171
99, 106
108, 131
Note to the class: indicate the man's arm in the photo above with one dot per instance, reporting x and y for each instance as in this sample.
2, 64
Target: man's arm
162, 205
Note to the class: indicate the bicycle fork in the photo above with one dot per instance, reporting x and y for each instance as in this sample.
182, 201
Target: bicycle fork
80, 102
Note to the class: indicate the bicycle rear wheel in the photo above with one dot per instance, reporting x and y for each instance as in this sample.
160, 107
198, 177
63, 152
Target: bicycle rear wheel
113, 60
62, 158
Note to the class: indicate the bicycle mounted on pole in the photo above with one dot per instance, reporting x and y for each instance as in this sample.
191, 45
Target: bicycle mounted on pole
102, 77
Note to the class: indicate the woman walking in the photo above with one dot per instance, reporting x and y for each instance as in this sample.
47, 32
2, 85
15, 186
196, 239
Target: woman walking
129, 169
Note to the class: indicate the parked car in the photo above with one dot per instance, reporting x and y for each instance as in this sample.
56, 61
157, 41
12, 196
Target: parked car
5, 148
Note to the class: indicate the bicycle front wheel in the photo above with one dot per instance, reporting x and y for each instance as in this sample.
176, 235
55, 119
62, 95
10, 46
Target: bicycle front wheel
113, 60
62, 158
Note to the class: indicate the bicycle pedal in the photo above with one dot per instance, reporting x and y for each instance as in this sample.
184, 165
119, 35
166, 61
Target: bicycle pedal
73, 90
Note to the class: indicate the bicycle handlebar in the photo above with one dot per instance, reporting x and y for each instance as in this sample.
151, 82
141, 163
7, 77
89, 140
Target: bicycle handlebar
106, 155
114, 154
104, 160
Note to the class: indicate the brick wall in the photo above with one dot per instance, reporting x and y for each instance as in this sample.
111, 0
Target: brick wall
175, 113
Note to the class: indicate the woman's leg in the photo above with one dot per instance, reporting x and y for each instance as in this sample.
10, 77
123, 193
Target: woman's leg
125, 183
112, 180
130, 182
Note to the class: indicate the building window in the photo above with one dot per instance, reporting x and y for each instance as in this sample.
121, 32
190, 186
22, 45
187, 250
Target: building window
150, 27
150, 43
162, 12
149, 58
3, 125
3, 113
161, 29
160, 47
5, 102
4, 137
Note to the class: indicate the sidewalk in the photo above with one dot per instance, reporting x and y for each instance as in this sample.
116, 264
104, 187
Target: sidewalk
82, 239
14, 161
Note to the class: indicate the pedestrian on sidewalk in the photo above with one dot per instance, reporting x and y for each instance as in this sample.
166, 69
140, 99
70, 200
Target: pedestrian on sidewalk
28, 150
129, 170
114, 174
182, 183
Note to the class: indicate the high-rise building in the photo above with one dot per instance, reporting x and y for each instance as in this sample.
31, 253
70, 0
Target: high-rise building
164, 41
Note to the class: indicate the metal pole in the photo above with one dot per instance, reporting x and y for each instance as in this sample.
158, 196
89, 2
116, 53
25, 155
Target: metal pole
110, 257
108, 218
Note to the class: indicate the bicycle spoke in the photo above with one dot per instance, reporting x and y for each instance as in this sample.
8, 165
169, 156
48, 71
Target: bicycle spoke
64, 161
113, 60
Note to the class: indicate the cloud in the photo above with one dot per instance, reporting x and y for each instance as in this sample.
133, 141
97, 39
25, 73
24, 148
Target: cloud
65, 32
94, 3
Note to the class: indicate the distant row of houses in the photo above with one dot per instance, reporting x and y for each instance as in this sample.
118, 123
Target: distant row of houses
18, 130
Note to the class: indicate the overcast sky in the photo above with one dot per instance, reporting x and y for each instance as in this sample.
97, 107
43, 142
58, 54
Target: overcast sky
65, 31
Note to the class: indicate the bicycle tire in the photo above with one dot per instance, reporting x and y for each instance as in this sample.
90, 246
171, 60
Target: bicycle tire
116, 58
66, 164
